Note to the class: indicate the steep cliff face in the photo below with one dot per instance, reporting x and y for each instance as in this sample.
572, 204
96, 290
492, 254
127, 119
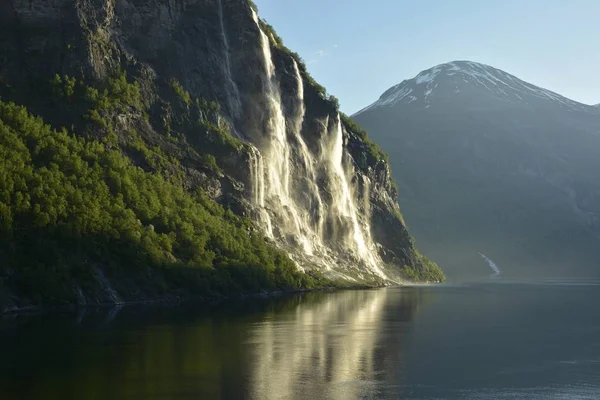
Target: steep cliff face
313, 185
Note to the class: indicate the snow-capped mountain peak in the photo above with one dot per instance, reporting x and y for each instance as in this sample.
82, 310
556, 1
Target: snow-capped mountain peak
460, 80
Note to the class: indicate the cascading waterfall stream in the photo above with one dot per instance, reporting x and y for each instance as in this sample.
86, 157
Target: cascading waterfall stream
235, 103
491, 264
367, 197
306, 156
287, 185
278, 162
343, 203
257, 174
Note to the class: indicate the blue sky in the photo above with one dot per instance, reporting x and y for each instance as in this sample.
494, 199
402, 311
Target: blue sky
357, 49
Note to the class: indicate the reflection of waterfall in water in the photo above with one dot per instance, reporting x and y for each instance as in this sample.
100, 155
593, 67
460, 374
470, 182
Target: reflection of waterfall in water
307, 202
335, 340
491, 264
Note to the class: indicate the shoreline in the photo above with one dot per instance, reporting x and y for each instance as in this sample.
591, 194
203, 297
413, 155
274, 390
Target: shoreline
173, 301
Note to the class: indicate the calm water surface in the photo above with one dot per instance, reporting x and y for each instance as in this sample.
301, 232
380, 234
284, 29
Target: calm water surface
480, 341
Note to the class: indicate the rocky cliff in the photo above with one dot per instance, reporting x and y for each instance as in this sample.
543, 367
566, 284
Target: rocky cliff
222, 96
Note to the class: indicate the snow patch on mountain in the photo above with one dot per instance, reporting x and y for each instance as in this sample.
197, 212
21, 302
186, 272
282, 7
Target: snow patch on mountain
396, 97
464, 74
428, 76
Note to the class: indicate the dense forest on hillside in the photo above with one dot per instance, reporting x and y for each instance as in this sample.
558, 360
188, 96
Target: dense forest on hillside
133, 152
73, 206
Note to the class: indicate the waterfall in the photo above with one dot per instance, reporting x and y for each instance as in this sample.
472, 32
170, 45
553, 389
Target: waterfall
306, 156
233, 98
343, 205
367, 197
292, 221
492, 264
257, 174
290, 184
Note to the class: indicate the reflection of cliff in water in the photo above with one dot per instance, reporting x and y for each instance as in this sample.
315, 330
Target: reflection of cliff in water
332, 345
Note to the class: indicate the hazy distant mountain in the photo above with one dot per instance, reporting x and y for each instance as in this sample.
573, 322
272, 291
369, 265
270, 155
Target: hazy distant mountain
487, 163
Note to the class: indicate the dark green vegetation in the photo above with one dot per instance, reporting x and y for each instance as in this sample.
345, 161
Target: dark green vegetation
127, 179
429, 271
72, 205
373, 147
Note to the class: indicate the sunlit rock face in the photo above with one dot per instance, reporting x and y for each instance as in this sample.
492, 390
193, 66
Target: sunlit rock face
305, 178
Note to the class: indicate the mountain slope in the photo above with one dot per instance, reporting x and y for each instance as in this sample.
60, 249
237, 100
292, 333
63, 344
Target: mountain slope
487, 163
219, 164
470, 82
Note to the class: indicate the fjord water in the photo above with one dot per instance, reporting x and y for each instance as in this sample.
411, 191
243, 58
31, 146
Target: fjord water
479, 341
